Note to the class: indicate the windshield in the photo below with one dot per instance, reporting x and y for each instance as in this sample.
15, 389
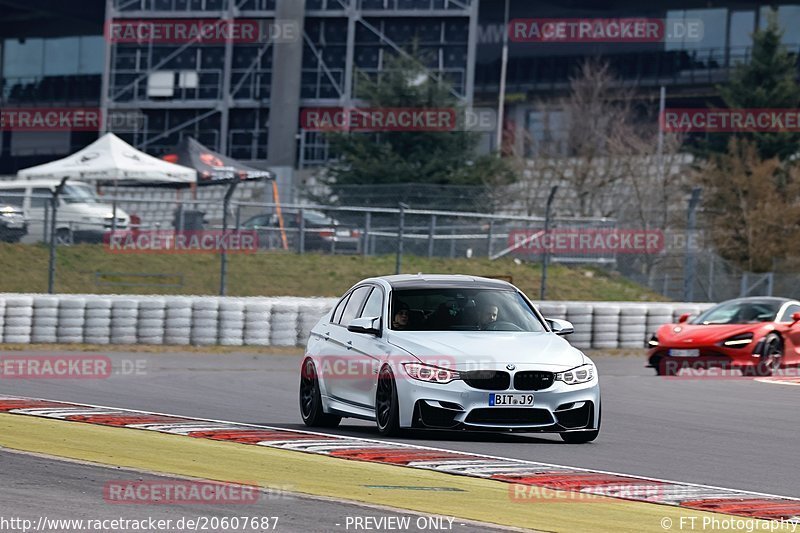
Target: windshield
79, 194
740, 313
455, 309
319, 219
259, 221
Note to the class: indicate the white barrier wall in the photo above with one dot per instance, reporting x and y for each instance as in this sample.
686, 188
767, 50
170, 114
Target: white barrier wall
208, 320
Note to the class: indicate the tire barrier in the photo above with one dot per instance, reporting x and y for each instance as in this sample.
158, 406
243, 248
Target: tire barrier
553, 310
151, 324
283, 327
683, 309
178, 322
204, 321
44, 329
580, 315
97, 328
605, 326
124, 317
633, 326
18, 319
309, 315
231, 322
257, 324
656, 316
71, 320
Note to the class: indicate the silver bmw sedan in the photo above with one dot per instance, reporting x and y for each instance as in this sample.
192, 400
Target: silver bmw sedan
447, 352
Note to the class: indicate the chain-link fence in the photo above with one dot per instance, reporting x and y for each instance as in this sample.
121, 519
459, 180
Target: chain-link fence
151, 221
674, 263
702, 275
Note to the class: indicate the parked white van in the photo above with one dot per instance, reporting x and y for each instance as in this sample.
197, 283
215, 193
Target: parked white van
81, 215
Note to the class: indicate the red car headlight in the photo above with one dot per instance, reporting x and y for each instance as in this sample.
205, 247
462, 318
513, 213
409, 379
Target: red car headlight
738, 341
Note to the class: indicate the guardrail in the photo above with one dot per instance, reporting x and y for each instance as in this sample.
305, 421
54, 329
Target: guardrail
228, 321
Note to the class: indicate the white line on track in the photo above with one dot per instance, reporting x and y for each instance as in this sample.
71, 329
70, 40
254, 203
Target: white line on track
773, 381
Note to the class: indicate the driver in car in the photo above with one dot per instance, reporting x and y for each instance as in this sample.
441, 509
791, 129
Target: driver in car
488, 316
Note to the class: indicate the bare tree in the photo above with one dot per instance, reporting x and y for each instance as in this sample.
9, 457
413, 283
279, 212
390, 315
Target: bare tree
653, 187
600, 151
580, 155
599, 144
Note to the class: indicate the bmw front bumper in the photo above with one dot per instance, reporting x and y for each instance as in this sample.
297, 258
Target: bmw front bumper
457, 405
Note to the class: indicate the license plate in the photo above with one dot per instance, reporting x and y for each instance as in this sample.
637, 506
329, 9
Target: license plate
510, 399
343, 233
684, 353
14, 224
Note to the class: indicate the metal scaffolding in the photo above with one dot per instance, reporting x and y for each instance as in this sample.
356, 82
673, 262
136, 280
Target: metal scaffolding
222, 93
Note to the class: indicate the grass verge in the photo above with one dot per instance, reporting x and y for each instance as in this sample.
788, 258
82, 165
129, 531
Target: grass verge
85, 268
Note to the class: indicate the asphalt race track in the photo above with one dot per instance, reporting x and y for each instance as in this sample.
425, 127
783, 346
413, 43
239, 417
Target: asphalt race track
731, 433
60, 489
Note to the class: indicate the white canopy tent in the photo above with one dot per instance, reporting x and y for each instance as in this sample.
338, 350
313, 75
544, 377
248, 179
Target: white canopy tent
112, 161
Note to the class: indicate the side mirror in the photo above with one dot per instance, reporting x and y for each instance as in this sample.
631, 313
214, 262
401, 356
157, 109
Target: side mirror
683, 318
369, 326
560, 327
796, 317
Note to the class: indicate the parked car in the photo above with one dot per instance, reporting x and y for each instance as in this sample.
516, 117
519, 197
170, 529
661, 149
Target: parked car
447, 352
322, 233
81, 215
13, 225
757, 335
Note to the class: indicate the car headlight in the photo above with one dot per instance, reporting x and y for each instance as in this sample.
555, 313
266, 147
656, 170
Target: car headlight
738, 341
429, 373
653, 342
580, 374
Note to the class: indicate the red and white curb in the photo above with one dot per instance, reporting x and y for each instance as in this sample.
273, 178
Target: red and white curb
529, 473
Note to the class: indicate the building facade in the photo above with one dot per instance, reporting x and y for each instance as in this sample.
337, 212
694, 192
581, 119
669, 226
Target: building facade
243, 96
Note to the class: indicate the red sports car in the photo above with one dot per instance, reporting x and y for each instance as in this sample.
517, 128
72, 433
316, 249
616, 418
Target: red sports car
757, 335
